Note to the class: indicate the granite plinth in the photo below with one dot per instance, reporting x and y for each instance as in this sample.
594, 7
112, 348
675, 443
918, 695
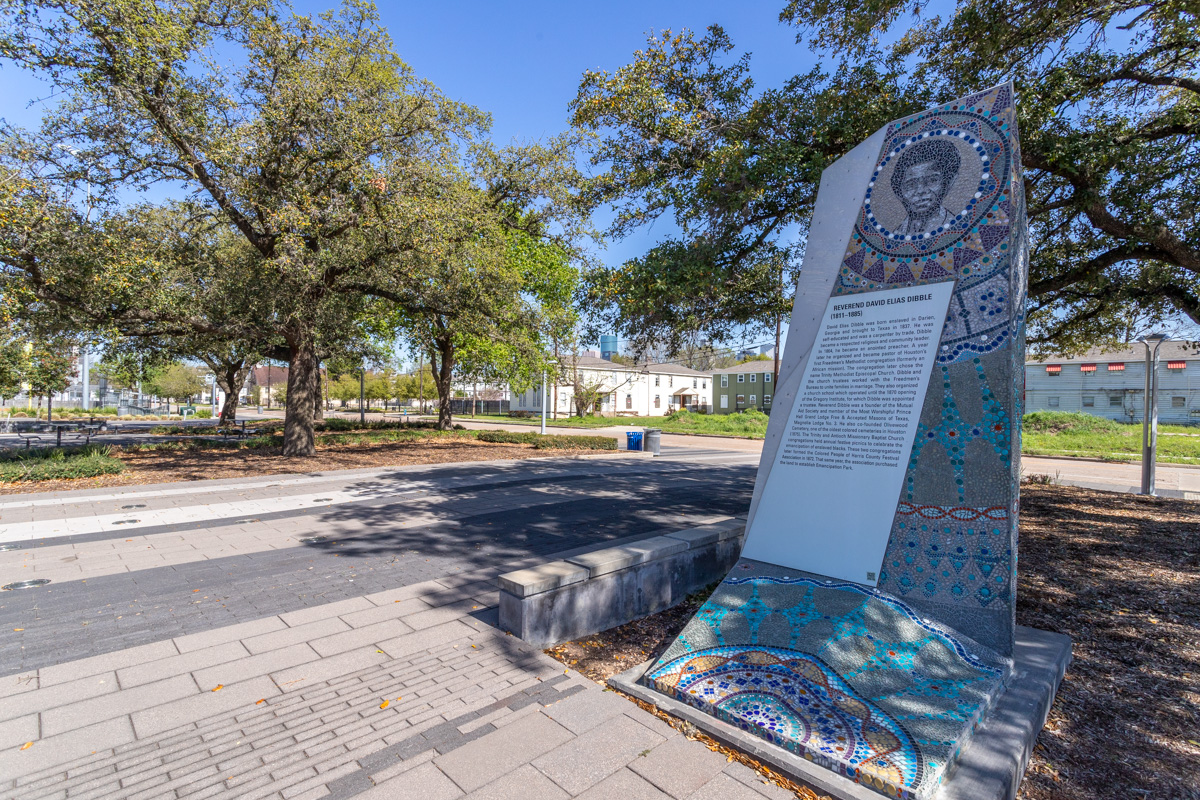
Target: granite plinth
841, 675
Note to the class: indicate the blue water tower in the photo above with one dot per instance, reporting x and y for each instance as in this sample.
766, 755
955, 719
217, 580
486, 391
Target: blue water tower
608, 347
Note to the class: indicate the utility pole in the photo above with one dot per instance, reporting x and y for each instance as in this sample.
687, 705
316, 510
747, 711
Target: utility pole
362, 392
1150, 411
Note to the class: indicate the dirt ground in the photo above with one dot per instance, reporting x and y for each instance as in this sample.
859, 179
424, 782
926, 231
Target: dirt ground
1117, 573
145, 467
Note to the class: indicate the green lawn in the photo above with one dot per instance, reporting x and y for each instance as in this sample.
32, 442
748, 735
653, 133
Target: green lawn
1056, 433
561, 422
749, 424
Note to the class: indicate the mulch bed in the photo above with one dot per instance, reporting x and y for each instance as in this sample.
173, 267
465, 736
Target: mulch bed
1120, 575
146, 467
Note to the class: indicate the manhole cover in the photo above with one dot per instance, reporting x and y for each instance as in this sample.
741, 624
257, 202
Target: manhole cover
135, 505
25, 584
126, 521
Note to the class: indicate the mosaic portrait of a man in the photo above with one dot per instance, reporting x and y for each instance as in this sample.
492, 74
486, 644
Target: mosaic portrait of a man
921, 180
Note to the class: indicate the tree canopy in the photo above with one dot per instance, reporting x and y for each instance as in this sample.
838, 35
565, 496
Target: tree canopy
1109, 111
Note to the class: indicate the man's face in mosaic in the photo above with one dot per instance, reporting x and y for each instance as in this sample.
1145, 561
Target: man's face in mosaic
922, 190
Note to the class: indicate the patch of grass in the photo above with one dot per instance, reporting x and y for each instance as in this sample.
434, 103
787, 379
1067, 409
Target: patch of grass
1059, 433
751, 424
561, 422
59, 463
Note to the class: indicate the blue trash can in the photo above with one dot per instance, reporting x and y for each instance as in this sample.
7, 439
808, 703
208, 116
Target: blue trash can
634, 440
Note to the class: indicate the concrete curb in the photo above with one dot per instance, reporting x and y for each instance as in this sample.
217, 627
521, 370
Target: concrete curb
990, 766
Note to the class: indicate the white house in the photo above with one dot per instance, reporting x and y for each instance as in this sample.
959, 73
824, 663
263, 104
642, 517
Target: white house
636, 390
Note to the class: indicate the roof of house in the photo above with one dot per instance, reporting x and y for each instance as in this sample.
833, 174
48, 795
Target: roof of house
259, 376
593, 362
749, 366
1132, 352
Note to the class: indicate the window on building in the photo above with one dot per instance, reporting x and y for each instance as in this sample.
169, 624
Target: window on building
657, 401
1053, 370
670, 382
753, 378
694, 381
1178, 402
657, 378
628, 401
767, 379
766, 399
1176, 364
1116, 367
1089, 401
741, 399
704, 384
753, 400
724, 401
1087, 369
741, 377
1115, 401
724, 381
1052, 402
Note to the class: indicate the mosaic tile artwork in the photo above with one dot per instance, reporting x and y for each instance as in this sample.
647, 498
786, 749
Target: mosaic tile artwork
841, 675
945, 202
885, 684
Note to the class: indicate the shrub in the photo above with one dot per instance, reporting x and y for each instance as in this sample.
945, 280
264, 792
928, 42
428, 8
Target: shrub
59, 463
507, 437
574, 443
1069, 422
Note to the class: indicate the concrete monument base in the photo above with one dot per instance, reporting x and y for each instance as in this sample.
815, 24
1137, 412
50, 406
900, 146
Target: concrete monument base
988, 766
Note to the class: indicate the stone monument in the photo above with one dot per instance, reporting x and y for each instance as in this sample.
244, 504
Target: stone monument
869, 625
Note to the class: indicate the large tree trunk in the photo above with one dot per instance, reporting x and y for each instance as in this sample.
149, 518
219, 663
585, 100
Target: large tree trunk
442, 377
298, 420
230, 381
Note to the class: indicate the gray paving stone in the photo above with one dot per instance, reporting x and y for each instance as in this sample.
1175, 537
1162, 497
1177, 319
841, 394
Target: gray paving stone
422, 640
325, 611
232, 633
118, 704
108, 662
359, 637
317, 671
523, 783
168, 715
64, 748
426, 782
502, 751
385, 611
16, 732
593, 756
274, 640
679, 766
623, 785
583, 711
253, 666
724, 787
180, 664
59, 695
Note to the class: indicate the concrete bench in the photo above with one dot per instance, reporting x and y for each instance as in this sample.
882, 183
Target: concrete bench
584, 594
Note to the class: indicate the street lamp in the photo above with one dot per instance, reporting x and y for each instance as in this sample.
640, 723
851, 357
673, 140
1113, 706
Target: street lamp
1150, 410
549, 363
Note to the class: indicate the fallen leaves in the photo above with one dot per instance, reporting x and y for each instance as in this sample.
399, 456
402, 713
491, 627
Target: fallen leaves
27, 745
218, 687
18, 630
385, 704
260, 702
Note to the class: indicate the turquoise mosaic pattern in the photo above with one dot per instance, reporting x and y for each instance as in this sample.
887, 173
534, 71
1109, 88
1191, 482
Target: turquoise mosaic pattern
842, 675
965, 455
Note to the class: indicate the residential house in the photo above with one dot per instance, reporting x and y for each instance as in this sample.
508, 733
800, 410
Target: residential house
743, 387
1112, 384
636, 390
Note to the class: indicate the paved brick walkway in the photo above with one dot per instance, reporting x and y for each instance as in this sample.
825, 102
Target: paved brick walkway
470, 711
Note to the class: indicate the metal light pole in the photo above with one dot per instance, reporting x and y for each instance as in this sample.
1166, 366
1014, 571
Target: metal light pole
215, 412
86, 377
1150, 411
362, 391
